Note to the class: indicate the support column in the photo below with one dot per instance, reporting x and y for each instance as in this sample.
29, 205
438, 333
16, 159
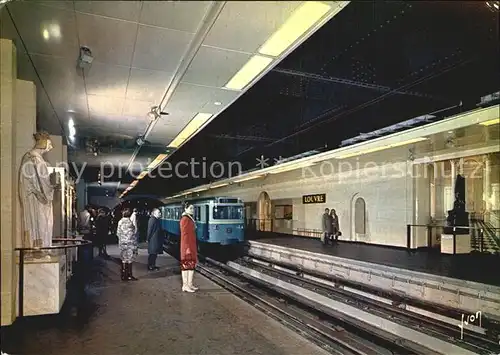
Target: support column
422, 204
453, 177
8, 77
439, 185
487, 184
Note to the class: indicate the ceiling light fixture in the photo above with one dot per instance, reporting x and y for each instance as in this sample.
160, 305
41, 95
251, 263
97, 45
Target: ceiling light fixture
491, 122
305, 17
158, 160
191, 129
217, 103
142, 175
248, 72
376, 149
71, 128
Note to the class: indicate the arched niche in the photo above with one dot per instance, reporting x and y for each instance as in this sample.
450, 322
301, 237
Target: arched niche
360, 216
264, 211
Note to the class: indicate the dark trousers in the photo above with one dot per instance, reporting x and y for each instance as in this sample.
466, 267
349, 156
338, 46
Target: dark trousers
152, 260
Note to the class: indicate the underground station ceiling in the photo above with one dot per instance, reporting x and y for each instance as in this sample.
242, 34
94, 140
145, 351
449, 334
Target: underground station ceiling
368, 66
373, 65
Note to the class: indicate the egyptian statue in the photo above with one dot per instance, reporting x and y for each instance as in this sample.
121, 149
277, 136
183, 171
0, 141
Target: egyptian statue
36, 191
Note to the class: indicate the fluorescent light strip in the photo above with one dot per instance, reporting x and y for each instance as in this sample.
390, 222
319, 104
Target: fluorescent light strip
157, 161
491, 122
216, 186
248, 178
248, 72
199, 190
143, 174
376, 149
133, 183
191, 129
305, 17
290, 167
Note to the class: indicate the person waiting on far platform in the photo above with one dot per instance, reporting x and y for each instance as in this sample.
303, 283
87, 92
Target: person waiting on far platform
127, 243
155, 239
335, 225
327, 226
189, 251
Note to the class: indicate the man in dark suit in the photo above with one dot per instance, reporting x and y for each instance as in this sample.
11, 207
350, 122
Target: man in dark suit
155, 239
327, 226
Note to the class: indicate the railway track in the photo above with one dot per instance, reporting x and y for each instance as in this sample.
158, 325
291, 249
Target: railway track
341, 334
490, 327
476, 340
330, 334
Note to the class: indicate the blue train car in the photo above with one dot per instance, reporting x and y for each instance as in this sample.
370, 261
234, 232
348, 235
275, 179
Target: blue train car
219, 220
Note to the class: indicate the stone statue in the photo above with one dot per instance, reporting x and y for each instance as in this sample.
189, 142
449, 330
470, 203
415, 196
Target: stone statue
36, 192
458, 217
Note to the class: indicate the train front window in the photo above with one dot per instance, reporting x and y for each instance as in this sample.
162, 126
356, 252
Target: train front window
228, 212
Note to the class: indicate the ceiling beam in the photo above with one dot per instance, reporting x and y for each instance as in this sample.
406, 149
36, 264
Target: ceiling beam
335, 80
243, 138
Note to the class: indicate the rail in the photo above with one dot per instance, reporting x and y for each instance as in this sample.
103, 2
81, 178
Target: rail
67, 244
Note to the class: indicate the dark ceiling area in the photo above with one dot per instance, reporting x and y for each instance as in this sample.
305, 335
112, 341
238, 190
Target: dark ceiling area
374, 64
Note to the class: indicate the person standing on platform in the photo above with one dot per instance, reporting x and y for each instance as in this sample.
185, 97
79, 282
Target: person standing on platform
84, 223
135, 222
327, 226
102, 230
155, 239
127, 244
189, 251
335, 225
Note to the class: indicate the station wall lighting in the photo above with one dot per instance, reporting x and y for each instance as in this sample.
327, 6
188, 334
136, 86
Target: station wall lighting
305, 17
191, 128
376, 149
155, 162
200, 190
216, 186
491, 122
248, 72
248, 178
283, 169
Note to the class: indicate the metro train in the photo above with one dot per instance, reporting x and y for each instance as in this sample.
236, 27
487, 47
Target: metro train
220, 221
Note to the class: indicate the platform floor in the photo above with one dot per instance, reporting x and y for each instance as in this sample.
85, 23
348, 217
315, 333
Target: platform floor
471, 267
152, 316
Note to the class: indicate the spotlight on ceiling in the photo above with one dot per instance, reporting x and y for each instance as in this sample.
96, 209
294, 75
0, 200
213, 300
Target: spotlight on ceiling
140, 141
156, 113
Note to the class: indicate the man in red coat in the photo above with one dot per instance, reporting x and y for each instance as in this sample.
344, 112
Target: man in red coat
189, 252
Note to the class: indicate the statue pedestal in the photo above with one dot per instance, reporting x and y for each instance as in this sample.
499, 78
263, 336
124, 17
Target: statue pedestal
44, 285
463, 244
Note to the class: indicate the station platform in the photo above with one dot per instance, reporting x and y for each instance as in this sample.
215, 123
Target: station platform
469, 283
470, 267
152, 316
